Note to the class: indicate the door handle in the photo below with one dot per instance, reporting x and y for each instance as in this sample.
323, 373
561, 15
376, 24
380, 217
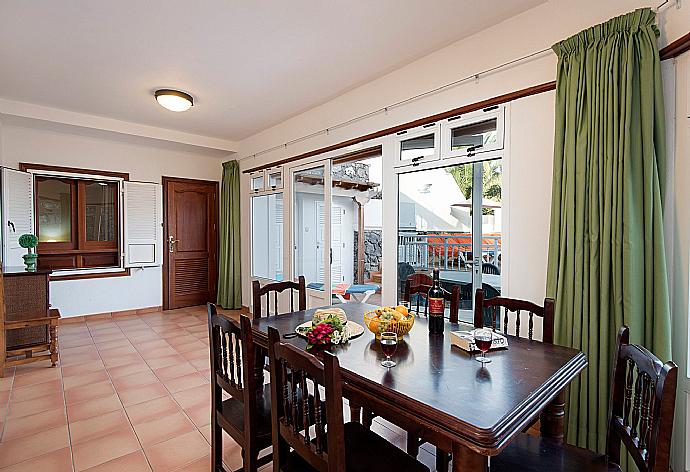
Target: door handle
171, 243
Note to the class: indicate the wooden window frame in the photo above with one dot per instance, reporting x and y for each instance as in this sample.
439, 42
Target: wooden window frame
79, 246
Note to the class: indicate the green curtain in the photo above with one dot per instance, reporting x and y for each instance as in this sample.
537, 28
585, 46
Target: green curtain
606, 249
229, 261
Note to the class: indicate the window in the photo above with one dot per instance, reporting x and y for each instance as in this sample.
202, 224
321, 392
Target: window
78, 223
267, 236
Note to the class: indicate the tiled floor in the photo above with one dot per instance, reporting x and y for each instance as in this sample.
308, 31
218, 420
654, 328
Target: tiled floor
130, 393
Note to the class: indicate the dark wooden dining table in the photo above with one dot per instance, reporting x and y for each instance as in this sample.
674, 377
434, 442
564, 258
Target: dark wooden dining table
442, 392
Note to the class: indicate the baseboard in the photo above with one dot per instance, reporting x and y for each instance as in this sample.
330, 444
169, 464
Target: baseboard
110, 315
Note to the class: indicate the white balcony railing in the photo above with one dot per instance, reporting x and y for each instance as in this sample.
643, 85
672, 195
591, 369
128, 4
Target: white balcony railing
447, 251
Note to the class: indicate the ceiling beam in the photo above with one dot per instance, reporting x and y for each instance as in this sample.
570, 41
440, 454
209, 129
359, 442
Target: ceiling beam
56, 115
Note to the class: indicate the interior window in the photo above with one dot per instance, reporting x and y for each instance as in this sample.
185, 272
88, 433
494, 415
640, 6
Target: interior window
474, 135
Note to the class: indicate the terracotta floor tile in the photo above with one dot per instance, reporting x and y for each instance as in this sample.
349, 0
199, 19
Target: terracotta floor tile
135, 380
132, 462
163, 428
232, 453
89, 392
85, 379
152, 409
124, 359
159, 362
132, 396
128, 369
120, 350
199, 465
200, 363
158, 352
199, 414
82, 369
173, 371
27, 425
91, 408
177, 452
186, 382
36, 376
21, 449
106, 448
30, 407
97, 426
206, 431
56, 461
117, 343
193, 396
6, 383
31, 392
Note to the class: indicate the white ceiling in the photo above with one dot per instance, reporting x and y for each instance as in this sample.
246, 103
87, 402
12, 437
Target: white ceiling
249, 63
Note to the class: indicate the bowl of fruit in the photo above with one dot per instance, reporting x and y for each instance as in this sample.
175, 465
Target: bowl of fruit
389, 319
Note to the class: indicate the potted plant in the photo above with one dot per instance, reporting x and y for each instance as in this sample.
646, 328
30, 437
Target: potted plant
29, 241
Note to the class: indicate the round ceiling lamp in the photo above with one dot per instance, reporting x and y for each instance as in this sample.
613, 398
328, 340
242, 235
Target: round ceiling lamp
174, 100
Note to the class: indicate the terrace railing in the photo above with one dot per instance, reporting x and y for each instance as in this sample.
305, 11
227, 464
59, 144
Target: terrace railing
447, 251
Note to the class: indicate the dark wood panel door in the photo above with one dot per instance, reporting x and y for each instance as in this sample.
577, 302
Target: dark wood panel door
191, 242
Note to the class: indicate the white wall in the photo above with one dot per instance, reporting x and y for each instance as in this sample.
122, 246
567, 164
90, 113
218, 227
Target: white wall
27, 140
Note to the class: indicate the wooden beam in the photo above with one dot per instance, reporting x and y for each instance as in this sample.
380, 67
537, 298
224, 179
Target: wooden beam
676, 48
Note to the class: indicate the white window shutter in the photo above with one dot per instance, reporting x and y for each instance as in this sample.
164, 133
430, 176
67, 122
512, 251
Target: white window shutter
143, 216
18, 213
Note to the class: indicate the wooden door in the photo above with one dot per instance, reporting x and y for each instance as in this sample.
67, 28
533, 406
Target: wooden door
190, 271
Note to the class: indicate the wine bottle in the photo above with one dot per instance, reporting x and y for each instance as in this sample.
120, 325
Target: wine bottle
437, 305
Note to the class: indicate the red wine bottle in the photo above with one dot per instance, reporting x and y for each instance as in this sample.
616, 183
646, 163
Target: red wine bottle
437, 305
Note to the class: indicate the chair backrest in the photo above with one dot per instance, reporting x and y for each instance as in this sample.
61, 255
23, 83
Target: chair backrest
275, 288
404, 271
419, 285
489, 268
294, 373
643, 398
493, 306
233, 362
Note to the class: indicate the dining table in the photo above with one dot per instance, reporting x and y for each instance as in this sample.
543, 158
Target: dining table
439, 392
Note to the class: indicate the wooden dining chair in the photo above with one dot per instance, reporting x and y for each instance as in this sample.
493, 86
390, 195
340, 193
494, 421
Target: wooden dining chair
487, 312
276, 288
246, 415
417, 286
643, 397
331, 445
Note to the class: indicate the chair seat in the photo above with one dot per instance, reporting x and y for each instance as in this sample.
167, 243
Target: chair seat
365, 451
232, 413
533, 453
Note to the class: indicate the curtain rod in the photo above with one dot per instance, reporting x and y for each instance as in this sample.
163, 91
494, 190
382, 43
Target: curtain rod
433, 91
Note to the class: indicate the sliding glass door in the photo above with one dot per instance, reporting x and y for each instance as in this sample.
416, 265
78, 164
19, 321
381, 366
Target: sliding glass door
450, 218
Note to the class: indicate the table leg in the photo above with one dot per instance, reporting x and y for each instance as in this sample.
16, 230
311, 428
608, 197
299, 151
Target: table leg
465, 459
355, 413
552, 418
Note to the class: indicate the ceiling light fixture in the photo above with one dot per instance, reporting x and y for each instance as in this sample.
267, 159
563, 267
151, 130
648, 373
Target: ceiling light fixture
174, 100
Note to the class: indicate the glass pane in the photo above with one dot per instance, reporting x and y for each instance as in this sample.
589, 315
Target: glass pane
309, 225
275, 179
421, 146
479, 134
357, 204
257, 183
436, 218
267, 236
101, 211
54, 210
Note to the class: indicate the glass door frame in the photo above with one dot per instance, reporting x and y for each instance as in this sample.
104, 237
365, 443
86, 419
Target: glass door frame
323, 296
477, 200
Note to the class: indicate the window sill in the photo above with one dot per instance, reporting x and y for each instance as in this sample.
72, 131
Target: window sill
88, 274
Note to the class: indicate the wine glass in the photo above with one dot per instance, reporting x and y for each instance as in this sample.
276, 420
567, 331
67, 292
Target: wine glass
482, 339
389, 343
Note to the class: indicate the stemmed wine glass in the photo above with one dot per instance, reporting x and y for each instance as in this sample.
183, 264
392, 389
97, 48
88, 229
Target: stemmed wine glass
482, 339
389, 343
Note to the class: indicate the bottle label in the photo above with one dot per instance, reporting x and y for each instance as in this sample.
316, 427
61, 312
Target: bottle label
436, 306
